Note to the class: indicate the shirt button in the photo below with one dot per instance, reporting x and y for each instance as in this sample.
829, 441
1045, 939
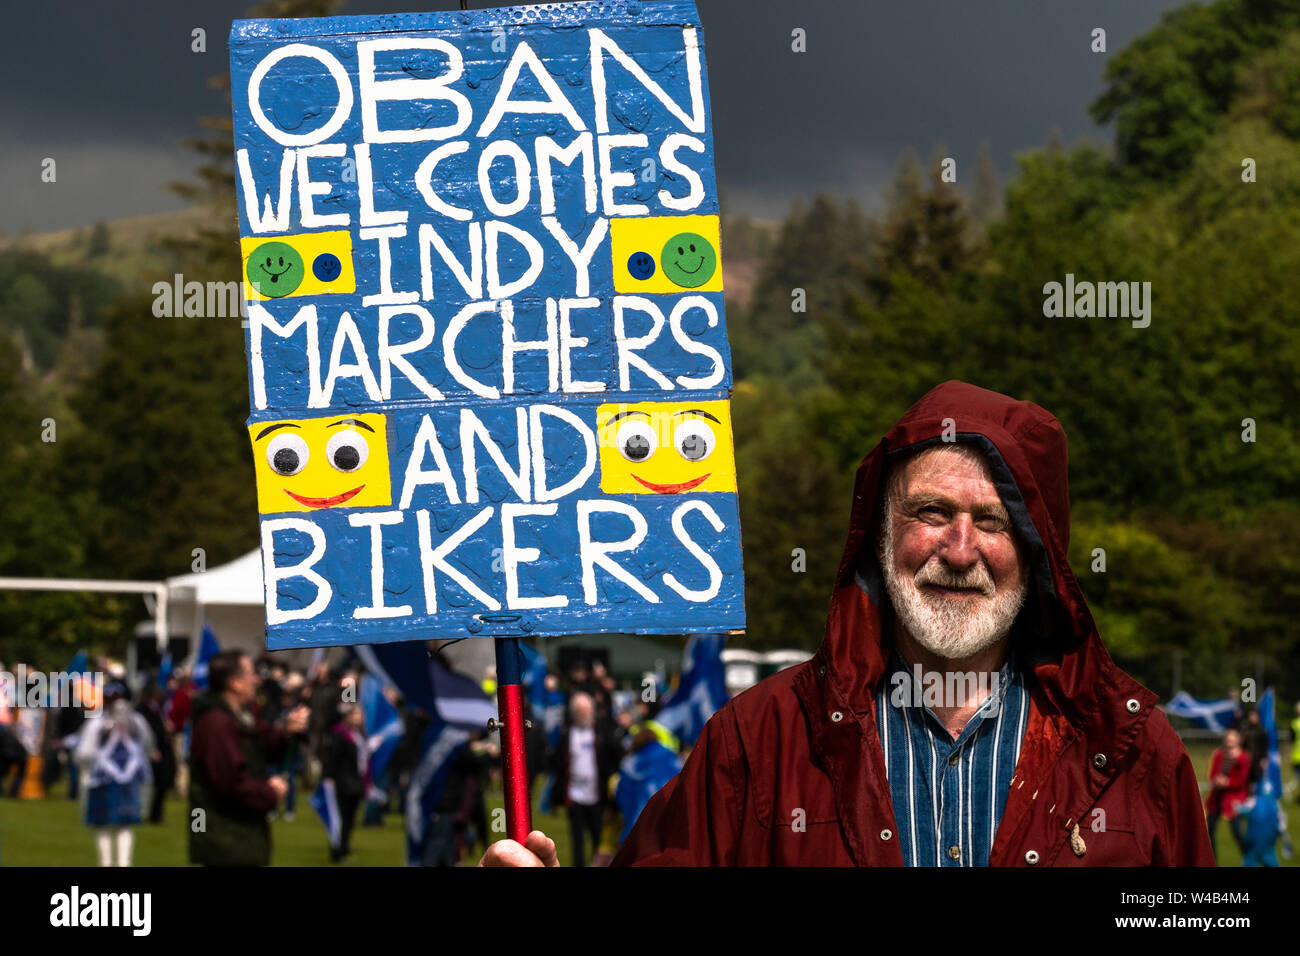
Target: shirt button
886, 834
1132, 705
1031, 857
836, 716
952, 761
1099, 761
954, 853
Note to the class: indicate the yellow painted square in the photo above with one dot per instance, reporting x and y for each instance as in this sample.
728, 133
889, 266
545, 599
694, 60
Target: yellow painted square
666, 447
309, 464
683, 251
313, 263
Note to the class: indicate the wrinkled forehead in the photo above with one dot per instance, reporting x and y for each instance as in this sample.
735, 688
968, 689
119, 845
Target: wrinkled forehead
954, 471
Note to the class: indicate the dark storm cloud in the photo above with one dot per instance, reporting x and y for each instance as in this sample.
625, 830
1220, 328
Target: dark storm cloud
111, 90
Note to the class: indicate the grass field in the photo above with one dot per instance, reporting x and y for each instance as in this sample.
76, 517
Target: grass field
50, 833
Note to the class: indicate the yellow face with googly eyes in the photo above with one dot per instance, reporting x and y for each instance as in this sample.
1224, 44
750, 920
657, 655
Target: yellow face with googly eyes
666, 448
308, 464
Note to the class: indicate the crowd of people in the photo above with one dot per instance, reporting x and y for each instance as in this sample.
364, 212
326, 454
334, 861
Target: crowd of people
243, 748
1256, 819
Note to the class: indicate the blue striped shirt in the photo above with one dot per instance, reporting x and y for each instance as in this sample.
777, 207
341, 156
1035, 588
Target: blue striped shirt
949, 795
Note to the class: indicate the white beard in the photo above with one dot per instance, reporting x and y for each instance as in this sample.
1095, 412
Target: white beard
954, 629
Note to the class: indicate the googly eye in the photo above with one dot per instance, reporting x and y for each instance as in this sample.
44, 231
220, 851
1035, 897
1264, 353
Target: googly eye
694, 440
636, 441
347, 450
286, 453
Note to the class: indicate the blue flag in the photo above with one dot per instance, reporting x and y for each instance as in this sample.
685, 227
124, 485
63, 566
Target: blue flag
460, 700
409, 668
702, 691
546, 705
207, 650
1209, 714
534, 676
165, 669
640, 777
325, 802
1272, 778
383, 724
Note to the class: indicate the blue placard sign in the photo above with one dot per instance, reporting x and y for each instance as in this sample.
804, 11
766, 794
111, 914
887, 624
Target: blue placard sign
488, 363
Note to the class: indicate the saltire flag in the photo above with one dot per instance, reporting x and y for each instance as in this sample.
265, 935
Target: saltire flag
702, 690
383, 724
534, 676
640, 776
460, 700
208, 649
325, 802
1272, 778
409, 667
1209, 714
546, 705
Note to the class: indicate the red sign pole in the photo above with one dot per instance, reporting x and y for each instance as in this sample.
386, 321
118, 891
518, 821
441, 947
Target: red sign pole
514, 759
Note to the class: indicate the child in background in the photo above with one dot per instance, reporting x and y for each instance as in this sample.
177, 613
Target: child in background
114, 753
345, 773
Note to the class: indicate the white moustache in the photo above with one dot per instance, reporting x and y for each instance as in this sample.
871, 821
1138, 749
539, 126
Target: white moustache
934, 573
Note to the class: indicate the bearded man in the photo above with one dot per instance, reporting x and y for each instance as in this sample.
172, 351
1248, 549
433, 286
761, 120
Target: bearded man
961, 710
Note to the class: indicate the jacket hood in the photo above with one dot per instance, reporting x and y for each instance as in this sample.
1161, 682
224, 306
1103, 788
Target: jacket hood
1027, 453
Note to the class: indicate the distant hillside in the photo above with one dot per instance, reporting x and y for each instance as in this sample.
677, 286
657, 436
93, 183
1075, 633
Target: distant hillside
127, 250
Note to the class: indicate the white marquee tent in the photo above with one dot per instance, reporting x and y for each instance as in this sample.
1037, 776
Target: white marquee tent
229, 597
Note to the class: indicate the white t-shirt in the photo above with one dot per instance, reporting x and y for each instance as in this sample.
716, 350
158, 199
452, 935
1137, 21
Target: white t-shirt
582, 766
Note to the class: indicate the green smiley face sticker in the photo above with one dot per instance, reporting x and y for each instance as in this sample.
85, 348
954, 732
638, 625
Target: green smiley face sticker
689, 260
275, 269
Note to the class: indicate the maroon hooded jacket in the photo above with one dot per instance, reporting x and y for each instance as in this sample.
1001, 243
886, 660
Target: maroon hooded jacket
1097, 755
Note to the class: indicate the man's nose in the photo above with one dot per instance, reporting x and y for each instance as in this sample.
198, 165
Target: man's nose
957, 546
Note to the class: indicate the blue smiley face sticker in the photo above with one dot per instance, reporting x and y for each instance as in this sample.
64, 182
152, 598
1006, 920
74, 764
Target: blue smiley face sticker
641, 265
326, 267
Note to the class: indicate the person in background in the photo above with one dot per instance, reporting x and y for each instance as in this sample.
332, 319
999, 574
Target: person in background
1263, 821
229, 759
271, 695
579, 679
1229, 775
447, 836
589, 754
12, 752
649, 765
602, 691
324, 697
345, 766
1295, 749
180, 705
162, 764
114, 752
1254, 740
294, 695
65, 732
